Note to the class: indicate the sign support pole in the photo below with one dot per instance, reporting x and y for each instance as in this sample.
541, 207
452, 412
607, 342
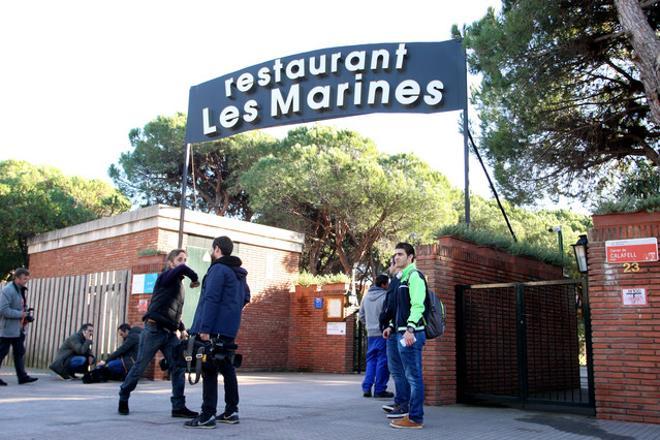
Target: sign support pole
184, 186
466, 147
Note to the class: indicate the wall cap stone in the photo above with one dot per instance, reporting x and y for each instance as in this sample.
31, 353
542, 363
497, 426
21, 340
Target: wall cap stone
167, 218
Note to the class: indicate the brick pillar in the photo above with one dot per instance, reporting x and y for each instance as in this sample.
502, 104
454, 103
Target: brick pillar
138, 302
626, 339
310, 347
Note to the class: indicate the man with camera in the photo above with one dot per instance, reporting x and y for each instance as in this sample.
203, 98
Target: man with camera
217, 320
14, 317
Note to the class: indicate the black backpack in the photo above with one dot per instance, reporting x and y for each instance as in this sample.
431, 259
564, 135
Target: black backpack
435, 315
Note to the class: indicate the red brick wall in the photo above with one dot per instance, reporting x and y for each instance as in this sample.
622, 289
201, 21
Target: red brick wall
310, 348
451, 262
626, 339
116, 253
264, 333
149, 264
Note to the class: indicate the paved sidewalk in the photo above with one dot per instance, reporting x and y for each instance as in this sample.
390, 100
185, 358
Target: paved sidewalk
274, 406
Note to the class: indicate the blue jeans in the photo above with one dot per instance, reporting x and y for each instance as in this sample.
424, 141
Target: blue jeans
77, 364
411, 358
152, 339
376, 373
116, 367
401, 385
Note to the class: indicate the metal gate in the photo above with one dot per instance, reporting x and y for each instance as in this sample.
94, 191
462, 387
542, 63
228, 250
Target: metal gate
525, 345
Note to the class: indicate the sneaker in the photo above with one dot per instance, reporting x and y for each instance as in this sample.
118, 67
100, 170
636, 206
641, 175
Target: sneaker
406, 423
201, 422
3, 383
184, 413
229, 418
384, 395
389, 407
123, 407
27, 379
366, 394
397, 413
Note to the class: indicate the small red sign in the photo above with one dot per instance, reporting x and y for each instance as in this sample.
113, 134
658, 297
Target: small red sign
637, 250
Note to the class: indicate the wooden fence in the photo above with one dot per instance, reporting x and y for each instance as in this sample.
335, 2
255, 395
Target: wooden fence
63, 304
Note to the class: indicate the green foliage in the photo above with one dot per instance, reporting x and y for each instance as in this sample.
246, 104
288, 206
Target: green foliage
307, 279
530, 226
151, 173
345, 195
639, 190
40, 199
561, 104
502, 242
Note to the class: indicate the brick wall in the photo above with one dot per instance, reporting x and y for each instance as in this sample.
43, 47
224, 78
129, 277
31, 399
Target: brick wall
626, 339
150, 264
452, 262
310, 347
264, 333
116, 253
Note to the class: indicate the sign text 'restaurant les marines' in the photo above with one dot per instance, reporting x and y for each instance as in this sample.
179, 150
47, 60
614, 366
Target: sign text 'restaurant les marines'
330, 83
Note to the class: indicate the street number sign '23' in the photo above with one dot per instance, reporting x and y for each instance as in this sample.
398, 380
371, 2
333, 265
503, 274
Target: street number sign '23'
330, 83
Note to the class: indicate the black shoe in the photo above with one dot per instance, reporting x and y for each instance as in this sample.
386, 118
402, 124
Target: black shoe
123, 407
201, 422
397, 413
384, 395
229, 418
366, 394
389, 407
27, 379
184, 413
3, 383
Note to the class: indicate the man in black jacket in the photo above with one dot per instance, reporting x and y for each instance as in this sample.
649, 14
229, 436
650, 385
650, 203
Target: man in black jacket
120, 361
162, 320
399, 408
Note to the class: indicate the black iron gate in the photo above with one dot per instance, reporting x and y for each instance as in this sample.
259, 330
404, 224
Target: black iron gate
526, 345
359, 347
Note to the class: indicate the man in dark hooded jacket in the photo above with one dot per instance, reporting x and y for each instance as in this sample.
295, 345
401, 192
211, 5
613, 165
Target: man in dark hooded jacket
218, 317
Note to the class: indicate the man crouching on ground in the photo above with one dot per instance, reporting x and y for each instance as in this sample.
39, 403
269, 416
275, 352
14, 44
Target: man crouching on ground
218, 318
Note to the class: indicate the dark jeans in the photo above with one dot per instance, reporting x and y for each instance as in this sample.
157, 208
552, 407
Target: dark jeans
77, 364
152, 339
411, 358
401, 385
210, 385
376, 374
18, 349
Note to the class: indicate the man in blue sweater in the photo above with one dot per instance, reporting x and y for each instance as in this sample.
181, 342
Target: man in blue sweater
218, 317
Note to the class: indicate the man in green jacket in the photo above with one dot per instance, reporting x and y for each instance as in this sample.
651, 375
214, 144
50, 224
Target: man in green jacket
409, 327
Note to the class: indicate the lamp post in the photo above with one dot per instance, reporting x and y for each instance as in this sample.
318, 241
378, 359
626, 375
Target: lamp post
560, 243
580, 251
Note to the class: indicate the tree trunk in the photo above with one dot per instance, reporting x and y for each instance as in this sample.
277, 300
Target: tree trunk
647, 50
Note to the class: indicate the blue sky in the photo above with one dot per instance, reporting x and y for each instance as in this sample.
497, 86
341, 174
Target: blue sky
78, 75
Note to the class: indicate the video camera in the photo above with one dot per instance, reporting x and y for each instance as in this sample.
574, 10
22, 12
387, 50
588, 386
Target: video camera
194, 353
29, 317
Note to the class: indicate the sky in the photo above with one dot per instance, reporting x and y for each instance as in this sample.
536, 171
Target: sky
76, 76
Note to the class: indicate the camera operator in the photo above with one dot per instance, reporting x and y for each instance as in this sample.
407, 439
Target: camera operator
14, 318
217, 319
